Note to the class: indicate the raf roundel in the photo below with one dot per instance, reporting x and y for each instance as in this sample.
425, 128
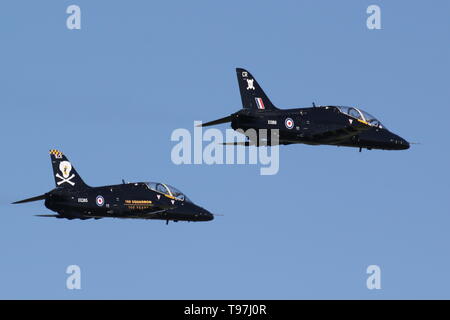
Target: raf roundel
100, 201
289, 123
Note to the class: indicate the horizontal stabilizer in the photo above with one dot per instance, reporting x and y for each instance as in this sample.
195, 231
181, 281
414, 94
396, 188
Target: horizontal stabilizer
218, 121
262, 143
41, 197
47, 215
239, 143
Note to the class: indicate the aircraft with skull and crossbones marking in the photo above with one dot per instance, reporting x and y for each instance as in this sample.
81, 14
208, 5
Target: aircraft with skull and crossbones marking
264, 124
74, 199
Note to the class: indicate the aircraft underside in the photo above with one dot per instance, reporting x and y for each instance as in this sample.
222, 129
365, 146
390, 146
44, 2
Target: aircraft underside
160, 215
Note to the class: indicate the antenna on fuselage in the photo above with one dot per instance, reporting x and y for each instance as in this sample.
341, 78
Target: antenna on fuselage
123, 181
314, 105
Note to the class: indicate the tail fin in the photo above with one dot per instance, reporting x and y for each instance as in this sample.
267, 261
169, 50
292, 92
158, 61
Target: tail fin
64, 173
253, 97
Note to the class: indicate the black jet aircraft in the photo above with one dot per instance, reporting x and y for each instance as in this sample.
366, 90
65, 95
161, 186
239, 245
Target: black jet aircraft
73, 199
317, 125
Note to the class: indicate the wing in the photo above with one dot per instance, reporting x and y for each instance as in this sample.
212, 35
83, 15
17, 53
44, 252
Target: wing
340, 134
144, 216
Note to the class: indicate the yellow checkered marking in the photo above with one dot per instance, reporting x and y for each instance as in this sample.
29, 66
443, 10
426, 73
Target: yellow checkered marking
56, 153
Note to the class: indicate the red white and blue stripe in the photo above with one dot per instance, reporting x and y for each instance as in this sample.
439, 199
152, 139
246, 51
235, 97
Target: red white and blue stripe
260, 103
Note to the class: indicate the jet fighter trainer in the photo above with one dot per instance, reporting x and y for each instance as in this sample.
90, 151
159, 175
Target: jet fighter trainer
73, 199
317, 125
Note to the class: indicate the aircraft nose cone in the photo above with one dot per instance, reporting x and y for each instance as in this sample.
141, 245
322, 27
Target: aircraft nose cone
405, 144
202, 214
208, 216
398, 143
402, 144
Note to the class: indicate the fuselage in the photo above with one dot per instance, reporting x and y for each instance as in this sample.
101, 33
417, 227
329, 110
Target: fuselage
319, 125
128, 200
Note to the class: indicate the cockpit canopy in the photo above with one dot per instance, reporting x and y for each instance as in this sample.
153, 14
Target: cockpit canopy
361, 115
167, 190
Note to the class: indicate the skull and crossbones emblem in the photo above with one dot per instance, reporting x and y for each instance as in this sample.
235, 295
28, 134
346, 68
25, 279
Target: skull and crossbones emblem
250, 84
65, 167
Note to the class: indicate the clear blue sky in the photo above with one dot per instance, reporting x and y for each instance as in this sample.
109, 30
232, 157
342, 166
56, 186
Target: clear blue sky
110, 94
